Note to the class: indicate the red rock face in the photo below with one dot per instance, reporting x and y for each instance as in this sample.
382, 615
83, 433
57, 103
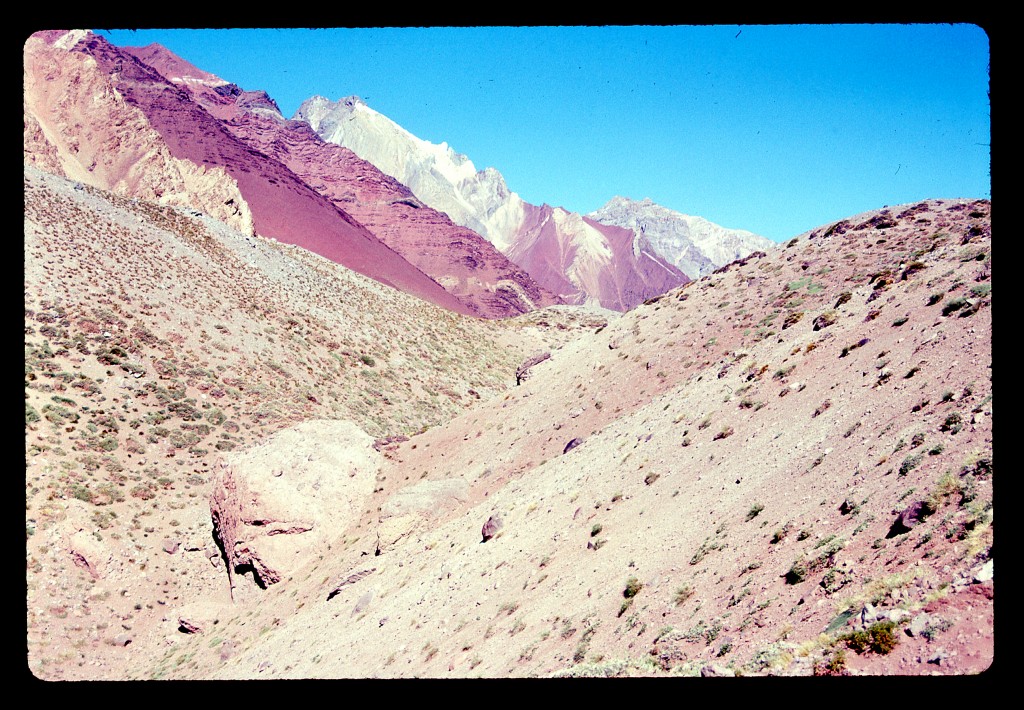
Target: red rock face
586, 261
282, 205
461, 261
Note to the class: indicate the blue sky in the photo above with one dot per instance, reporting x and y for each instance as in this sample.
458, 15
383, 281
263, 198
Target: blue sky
776, 129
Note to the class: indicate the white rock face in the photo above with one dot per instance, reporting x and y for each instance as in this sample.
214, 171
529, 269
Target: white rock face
693, 244
436, 174
277, 503
557, 248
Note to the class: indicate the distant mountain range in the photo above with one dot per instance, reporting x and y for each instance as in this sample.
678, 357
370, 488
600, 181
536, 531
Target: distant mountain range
144, 123
692, 244
275, 414
581, 258
347, 183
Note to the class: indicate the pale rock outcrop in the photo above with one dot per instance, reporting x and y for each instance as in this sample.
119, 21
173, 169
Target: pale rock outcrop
347, 580
408, 509
276, 504
89, 554
523, 371
79, 125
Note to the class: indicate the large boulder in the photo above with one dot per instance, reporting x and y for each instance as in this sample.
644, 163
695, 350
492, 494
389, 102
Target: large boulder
276, 504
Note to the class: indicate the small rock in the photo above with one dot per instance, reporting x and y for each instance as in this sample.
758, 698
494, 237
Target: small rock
572, 444
868, 614
897, 615
228, 649
186, 626
122, 640
984, 573
171, 546
911, 516
491, 527
918, 624
364, 601
716, 671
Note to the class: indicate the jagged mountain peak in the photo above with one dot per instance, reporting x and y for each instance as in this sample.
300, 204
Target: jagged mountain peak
561, 251
696, 245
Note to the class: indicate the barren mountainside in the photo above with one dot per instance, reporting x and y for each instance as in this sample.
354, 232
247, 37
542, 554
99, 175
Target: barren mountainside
693, 244
464, 263
150, 137
576, 258
783, 468
284, 419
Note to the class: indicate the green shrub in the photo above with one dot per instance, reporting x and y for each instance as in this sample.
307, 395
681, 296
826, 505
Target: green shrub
682, 594
835, 665
824, 320
880, 637
633, 586
953, 304
953, 423
858, 641
883, 637
909, 464
792, 319
82, 492
797, 573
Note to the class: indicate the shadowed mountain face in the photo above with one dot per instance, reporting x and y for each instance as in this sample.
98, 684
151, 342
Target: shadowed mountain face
151, 138
465, 264
588, 262
736, 477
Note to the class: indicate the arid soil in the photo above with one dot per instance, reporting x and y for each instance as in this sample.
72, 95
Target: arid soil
709, 484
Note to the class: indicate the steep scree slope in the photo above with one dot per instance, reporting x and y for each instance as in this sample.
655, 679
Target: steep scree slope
718, 482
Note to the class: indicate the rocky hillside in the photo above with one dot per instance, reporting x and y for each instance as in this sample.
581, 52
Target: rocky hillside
783, 468
158, 339
464, 263
146, 124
